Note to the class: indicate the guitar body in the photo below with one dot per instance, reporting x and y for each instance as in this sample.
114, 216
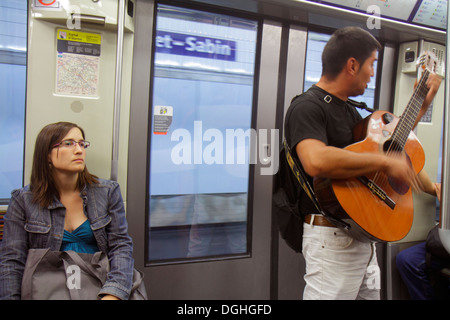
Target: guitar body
369, 216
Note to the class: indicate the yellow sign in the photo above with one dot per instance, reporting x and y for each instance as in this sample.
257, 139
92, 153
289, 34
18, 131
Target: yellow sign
78, 36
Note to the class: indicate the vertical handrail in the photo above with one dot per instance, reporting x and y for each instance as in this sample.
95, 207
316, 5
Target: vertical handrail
117, 91
444, 223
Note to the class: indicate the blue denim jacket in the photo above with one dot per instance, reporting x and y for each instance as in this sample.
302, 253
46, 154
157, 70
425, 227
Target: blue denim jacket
29, 226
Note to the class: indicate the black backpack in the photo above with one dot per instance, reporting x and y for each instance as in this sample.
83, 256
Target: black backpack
286, 204
435, 247
439, 279
289, 182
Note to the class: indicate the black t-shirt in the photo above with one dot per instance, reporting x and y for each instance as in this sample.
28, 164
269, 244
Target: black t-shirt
316, 114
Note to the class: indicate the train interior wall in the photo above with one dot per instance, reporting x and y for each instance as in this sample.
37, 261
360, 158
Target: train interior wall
118, 117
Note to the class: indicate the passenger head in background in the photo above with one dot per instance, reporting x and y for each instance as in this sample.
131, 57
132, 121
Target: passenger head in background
59, 153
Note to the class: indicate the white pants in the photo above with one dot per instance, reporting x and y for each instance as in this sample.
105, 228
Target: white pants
339, 267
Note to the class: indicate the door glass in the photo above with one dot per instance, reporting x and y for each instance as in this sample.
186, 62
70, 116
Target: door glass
313, 69
13, 54
200, 136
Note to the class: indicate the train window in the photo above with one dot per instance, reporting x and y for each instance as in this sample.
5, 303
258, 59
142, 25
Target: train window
199, 141
313, 70
13, 51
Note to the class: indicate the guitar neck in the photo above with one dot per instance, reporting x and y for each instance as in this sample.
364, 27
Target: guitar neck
409, 116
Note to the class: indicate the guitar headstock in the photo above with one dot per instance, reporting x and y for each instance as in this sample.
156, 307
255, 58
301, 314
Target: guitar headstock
427, 61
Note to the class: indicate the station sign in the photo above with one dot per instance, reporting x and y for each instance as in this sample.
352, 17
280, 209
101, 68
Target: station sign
196, 46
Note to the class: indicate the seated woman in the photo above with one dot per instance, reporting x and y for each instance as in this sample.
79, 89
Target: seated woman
65, 208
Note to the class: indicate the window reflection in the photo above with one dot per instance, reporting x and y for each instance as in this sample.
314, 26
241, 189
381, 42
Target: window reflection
202, 109
13, 51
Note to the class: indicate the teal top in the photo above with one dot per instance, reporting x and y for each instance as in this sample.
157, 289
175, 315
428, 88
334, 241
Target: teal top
80, 240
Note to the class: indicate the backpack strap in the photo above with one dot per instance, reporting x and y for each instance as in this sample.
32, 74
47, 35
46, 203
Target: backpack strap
301, 177
327, 98
299, 173
360, 105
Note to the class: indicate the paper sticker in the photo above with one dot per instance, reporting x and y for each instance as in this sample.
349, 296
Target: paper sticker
162, 119
77, 63
46, 4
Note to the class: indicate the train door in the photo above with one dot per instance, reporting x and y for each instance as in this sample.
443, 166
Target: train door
201, 152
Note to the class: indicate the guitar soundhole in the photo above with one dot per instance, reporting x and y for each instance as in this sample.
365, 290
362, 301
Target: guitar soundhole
398, 185
392, 146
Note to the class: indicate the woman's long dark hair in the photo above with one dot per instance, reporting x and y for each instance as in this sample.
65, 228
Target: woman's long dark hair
42, 184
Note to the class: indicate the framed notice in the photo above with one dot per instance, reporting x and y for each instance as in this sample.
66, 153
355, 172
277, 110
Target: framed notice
77, 63
162, 119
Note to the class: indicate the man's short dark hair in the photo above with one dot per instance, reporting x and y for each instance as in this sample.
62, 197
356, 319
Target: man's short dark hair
346, 43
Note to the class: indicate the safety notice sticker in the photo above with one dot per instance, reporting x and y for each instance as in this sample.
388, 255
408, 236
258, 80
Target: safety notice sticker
46, 4
162, 119
77, 62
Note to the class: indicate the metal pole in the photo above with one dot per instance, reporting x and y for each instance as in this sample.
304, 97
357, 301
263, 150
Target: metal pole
444, 225
117, 91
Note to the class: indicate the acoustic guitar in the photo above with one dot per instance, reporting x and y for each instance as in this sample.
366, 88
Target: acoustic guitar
378, 207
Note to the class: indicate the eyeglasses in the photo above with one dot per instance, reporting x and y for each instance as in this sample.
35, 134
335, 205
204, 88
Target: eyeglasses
72, 143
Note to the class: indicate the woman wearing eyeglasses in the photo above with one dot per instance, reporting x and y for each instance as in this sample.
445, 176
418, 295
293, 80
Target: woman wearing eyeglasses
65, 208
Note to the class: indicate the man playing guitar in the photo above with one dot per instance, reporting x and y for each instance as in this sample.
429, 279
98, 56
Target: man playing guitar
318, 126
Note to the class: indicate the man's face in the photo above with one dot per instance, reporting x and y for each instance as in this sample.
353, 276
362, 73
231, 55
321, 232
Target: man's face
363, 75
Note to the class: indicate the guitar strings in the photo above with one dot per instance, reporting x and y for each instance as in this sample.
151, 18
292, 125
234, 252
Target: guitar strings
400, 134
405, 125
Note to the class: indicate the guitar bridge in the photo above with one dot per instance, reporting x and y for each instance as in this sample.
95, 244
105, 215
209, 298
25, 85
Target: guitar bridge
376, 190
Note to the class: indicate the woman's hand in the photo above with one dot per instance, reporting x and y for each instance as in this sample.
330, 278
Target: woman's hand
110, 297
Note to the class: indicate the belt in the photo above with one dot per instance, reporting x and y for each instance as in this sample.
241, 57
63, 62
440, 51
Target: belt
318, 220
